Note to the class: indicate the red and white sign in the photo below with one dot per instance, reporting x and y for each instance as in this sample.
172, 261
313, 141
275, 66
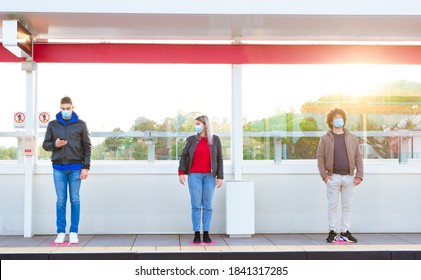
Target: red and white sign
19, 120
43, 119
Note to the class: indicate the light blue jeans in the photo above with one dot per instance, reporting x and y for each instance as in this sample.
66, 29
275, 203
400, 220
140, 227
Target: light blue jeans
201, 188
62, 179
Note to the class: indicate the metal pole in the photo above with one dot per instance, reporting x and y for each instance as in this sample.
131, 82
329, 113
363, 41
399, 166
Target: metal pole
29, 67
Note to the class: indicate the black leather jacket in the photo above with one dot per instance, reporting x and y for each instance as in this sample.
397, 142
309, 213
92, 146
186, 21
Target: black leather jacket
186, 158
78, 148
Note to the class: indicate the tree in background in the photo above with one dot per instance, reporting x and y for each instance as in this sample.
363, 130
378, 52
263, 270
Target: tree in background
139, 146
305, 147
9, 153
115, 144
381, 145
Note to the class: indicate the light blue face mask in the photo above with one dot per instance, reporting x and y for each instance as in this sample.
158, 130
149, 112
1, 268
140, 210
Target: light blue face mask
338, 123
198, 128
66, 114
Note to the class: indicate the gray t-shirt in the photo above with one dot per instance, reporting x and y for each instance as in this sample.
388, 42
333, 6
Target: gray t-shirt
340, 157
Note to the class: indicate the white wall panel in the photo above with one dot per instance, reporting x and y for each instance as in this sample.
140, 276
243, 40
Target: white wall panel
126, 203
11, 204
122, 202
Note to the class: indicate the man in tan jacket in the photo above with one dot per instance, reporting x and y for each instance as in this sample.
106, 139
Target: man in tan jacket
340, 165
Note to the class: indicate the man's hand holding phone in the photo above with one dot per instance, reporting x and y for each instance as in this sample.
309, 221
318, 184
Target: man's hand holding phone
60, 142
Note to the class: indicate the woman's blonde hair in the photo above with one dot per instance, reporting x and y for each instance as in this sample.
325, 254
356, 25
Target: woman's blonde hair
205, 120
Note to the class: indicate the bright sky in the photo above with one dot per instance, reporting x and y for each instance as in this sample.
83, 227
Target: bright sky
114, 95
285, 87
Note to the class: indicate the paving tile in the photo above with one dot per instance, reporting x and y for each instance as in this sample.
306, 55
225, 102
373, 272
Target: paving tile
315, 238
290, 248
157, 240
17, 249
242, 248
266, 248
3, 237
380, 238
255, 240
336, 247
20, 241
68, 249
193, 248
413, 238
312, 248
143, 249
90, 249
292, 239
5, 249
365, 247
168, 248
216, 248
112, 240
397, 246
43, 249
83, 240
119, 249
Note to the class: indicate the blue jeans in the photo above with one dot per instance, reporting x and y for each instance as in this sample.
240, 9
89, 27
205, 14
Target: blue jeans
201, 188
62, 179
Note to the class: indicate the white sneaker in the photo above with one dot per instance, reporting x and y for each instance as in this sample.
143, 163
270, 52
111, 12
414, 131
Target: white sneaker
60, 238
73, 238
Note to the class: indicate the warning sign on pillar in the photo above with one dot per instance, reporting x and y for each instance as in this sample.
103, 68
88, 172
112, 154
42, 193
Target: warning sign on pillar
19, 120
28, 145
43, 119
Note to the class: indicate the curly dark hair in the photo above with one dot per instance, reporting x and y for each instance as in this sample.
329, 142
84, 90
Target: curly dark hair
332, 113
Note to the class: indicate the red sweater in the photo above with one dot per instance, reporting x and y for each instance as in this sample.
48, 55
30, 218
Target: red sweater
201, 160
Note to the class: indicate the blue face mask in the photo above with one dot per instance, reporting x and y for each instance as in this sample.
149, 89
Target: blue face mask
338, 123
198, 128
66, 114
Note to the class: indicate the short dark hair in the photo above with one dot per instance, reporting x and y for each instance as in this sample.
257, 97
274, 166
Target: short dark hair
333, 112
66, 100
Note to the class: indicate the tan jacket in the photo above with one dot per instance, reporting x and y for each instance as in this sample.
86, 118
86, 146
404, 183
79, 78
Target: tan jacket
325, 151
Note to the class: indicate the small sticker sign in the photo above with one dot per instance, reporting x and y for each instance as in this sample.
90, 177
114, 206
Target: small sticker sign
43, 119
19, 120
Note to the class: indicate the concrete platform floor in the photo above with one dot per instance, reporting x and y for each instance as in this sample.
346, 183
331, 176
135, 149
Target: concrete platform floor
294, 246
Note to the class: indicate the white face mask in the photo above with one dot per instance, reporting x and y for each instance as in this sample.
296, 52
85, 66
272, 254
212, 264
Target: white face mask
198, 128
338, 123
66, 114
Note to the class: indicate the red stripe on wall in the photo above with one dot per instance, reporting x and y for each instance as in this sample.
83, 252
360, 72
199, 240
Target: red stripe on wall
221, 54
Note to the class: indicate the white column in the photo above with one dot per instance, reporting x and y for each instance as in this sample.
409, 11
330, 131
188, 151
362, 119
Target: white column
30, 121
239, 196
237, 122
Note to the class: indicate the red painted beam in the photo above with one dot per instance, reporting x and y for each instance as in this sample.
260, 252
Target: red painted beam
6, 56
222, 54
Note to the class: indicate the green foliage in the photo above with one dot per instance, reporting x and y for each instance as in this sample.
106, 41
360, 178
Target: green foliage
112, 143
8, 153
383, 146
43, 154
306, 147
